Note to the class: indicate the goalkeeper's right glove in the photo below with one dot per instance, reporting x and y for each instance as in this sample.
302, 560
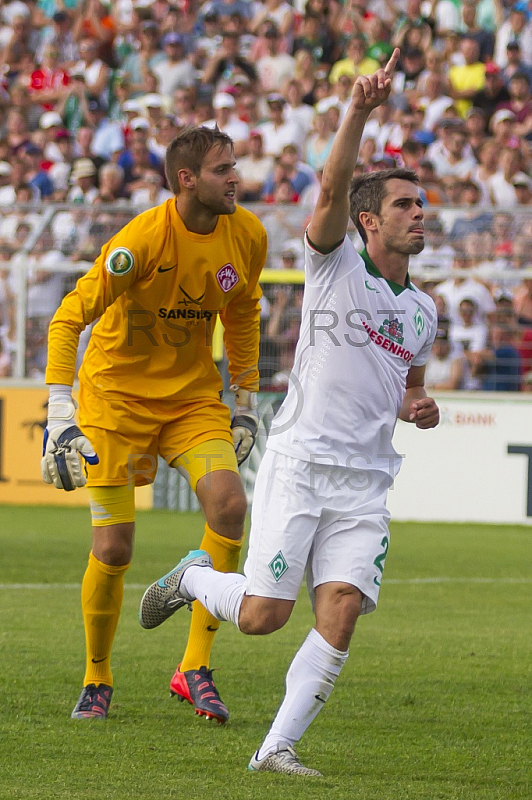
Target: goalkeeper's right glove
63, 445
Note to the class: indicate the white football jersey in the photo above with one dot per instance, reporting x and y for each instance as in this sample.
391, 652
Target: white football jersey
359, 336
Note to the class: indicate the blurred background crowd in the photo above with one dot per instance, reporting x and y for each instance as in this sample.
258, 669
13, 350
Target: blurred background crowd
91, 93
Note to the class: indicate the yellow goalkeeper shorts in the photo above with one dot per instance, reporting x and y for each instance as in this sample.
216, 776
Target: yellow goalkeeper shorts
129, 435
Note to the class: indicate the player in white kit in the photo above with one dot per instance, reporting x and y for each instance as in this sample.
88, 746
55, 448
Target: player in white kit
320, 496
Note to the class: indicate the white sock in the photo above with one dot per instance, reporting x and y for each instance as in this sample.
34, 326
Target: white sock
220, 592
312, 675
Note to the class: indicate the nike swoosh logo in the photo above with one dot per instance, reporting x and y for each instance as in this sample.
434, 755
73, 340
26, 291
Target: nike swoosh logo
318, 697
210, 628
98, 660
371, 288
166, 269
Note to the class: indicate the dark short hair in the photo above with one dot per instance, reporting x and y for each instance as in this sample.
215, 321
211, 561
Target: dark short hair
367, 192
188, 150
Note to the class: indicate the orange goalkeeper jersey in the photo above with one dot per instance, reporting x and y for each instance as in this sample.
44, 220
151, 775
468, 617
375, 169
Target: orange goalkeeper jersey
157, 289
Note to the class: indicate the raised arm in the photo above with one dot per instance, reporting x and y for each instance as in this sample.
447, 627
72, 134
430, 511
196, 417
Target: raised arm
331, 215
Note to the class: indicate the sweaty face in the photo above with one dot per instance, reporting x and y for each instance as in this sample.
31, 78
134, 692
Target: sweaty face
401, 218
216, 183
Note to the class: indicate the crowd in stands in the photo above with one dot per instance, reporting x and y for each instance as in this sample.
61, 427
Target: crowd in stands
91, 93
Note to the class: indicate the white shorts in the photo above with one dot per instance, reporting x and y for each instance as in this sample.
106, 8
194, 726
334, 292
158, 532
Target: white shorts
331, 522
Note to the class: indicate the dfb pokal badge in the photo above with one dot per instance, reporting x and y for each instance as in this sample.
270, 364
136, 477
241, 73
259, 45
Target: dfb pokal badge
120, 261
227, 277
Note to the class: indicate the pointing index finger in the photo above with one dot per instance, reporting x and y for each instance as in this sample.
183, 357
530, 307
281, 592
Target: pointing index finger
392, 63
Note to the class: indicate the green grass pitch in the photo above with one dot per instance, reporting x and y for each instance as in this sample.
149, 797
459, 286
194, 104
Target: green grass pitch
434, 702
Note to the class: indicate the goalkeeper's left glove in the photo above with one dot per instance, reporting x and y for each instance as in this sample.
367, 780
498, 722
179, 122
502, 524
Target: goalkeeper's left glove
245, 422
63, 445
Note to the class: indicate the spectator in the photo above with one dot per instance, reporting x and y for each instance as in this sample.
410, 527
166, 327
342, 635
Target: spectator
502, 229
305, 74
24, 40
277, 12
523, 303
469, 78
437, 253
253, 169
355, 62
520, 104
59, 35
149, 191
165, 130
295, 110
35, 176
445, 368
475, 128
342, 94
317, 40
456, 158
48, 81
83, 178
184, 105
108, 138
515, 62
228, 122
484, 38
318, 145
210, 39
95, 72
493, 94
502, 360
515, 28
501, 188
227, 63
175, 70
139, 132
300, 175
435, 100
456, 288
470, 335
146, 58
275, 68
523, 190
411, 67
276, 131
110, 184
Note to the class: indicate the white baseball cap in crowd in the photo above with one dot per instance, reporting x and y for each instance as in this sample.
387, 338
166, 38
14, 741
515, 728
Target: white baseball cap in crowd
223, 100
139, 124
153, 101
5, 169
132, 106
51, 119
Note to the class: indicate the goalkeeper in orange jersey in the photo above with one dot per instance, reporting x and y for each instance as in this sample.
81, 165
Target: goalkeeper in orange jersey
149, 386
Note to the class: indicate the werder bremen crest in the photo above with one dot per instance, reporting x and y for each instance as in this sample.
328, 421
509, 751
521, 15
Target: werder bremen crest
419, 322
393, 329
278, 566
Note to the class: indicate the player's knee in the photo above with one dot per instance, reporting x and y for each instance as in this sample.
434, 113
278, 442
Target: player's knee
113, 544
260, 616
230, 511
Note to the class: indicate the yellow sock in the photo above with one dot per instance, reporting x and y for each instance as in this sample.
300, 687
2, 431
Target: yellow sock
102, 591
225, 554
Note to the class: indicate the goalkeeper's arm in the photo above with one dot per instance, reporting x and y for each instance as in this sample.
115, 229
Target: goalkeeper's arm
64, 443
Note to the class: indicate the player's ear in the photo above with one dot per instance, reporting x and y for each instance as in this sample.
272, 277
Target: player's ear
186, 178
369, 221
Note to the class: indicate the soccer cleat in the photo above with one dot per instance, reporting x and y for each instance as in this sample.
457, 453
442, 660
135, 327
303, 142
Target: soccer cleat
197, 686
94, 702
163, 598
285, 761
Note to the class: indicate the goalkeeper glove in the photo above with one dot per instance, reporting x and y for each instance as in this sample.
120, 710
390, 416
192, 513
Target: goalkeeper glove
245, 422
63, 444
